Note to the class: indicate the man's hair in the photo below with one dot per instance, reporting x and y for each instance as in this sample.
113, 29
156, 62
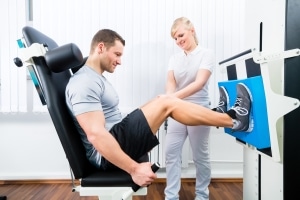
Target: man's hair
107, 36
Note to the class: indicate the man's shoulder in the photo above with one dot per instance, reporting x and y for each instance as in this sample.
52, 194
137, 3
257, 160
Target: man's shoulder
82, 76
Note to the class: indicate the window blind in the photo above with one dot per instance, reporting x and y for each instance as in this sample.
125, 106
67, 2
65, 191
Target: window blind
13, 80
145, 25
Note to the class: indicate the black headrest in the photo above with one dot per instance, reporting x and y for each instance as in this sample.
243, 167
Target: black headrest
64, 57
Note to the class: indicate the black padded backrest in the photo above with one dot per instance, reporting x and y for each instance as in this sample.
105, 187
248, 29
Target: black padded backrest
53, 86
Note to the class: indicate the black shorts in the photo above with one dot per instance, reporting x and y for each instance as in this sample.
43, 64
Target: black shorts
134, 137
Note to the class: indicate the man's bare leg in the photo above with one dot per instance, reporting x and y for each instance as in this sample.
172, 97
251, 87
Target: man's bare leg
237, 118
163, 106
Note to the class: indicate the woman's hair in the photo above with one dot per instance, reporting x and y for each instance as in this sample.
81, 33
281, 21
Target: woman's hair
183, 20
107, 36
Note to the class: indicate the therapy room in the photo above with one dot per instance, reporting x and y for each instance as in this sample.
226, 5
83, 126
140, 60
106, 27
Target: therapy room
226, 129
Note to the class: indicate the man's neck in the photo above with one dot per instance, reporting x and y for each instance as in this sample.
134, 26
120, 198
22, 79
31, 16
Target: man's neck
94, 65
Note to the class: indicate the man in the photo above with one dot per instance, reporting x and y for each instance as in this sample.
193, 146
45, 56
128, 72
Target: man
112, 141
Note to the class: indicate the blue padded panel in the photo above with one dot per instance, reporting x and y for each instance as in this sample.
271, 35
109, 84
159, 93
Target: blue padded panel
260, 135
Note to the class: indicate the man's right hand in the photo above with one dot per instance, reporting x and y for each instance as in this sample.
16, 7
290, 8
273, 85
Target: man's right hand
142, 174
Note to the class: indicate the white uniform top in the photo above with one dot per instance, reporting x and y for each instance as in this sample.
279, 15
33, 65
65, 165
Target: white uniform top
186, 67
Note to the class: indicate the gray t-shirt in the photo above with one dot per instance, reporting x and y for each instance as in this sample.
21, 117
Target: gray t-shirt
89, 91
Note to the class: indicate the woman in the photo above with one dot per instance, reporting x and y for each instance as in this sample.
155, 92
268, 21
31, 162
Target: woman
188, 76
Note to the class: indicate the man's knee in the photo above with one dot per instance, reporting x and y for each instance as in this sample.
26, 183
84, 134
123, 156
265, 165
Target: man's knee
167, 101
166, 97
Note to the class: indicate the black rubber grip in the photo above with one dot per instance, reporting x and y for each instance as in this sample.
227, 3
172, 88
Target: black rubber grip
154, 168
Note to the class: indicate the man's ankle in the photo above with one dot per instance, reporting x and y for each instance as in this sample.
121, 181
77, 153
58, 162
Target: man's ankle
231, 113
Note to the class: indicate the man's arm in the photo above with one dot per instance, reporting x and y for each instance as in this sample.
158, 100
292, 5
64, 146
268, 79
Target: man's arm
93, 124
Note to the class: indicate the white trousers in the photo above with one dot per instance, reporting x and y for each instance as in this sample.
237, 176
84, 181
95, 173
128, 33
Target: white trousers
199, 142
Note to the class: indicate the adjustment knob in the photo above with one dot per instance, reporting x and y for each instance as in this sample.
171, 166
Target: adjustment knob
18, 62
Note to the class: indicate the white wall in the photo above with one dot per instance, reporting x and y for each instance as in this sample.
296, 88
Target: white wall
29, 147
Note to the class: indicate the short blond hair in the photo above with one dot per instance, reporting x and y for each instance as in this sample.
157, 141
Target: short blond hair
183, 20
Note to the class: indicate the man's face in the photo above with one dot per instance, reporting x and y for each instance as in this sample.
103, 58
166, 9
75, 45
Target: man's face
111, 57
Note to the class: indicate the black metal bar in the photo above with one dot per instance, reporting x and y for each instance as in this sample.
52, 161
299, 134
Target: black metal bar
291, 150
260, 36
236, 56
259, 156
